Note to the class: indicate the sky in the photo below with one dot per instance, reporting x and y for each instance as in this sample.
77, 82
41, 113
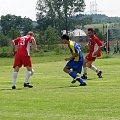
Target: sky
26, 8
110, 8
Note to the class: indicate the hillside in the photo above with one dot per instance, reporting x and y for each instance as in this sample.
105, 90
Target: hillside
99, 18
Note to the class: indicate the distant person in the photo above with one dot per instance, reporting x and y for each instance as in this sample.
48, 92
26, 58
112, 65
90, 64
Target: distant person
114, 49
75, 61
94, 51
107, 46
118, 47
22, 57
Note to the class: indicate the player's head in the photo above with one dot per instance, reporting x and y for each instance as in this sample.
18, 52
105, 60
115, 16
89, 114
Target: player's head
30, 33
90, 32
65, 39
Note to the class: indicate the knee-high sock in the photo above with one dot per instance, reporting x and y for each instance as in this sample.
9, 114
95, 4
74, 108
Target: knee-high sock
28, 73
85, 70
94, 68
72, 74
14, 78
81, 81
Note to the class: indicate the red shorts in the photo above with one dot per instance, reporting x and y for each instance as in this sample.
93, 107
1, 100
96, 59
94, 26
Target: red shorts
22, 60
90, 56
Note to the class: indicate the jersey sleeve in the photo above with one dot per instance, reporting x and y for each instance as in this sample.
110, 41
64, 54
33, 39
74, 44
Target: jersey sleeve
15, 41
99, 43
77, 48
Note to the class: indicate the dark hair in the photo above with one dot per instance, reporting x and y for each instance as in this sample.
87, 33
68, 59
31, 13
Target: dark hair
65, 37
90, 29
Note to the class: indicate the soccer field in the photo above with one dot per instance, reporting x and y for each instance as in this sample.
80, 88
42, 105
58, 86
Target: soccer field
54, 97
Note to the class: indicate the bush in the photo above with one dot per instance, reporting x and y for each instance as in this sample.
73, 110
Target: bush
5, 52
4, 40
2, 55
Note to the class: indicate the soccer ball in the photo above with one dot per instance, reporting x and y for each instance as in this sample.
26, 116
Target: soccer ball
32, 71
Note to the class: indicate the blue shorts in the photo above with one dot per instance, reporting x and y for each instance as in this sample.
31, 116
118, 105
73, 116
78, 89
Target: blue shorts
75, 65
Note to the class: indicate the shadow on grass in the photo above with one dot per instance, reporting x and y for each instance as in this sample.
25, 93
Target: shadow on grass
10, 89
70, 86
90, 79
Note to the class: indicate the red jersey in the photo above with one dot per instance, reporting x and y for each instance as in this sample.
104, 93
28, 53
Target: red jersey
24, 44
94, 44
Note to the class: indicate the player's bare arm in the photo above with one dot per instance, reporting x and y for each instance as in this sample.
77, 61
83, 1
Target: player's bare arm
34, 43
12, 48
87, 45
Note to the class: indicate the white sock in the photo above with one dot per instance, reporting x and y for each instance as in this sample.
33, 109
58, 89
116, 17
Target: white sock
94, 68
85, 70
28, 73
14, 78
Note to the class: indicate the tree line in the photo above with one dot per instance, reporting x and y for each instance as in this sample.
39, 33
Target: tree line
57, 15
52, 17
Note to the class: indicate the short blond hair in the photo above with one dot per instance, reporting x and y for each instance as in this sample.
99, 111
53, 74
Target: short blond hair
30, 33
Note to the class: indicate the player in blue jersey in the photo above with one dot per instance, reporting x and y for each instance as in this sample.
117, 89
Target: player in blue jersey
75, 62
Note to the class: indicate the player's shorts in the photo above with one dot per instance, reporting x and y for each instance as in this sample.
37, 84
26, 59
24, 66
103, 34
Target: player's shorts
22, 60
76, 66
90, 56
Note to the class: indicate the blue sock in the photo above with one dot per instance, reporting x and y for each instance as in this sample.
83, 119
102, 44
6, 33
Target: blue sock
72, 74
81, 81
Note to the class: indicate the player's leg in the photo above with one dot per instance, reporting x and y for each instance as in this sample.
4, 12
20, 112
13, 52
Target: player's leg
15, 73
16, 66
32, 71
74, 81
94, 68
84, 76
71, 73
28, 64
78, 69
67, 68
28, 74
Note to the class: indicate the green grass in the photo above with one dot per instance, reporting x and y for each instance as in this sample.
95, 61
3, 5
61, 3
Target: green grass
53, 97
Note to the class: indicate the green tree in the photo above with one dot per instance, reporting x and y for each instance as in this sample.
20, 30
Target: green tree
9, 22
99, 34
72, 7
51, 36
4, 40
58, 12
46, 14
13, 34
26, 25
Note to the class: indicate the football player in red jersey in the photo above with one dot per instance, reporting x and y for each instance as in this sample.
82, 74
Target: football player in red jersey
94, 51
22, 56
